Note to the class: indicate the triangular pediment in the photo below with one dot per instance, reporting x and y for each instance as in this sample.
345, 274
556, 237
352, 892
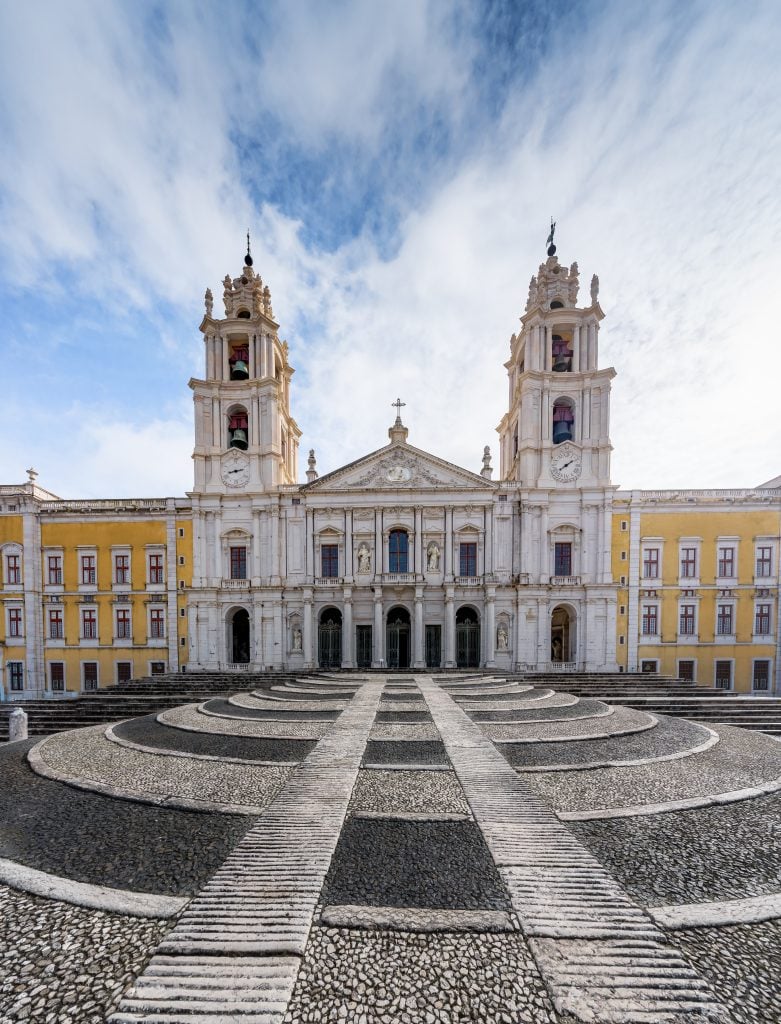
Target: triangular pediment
399, 466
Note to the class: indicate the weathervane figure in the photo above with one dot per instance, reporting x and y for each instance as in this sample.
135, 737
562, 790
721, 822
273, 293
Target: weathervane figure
248, 257
398, 405
549, 243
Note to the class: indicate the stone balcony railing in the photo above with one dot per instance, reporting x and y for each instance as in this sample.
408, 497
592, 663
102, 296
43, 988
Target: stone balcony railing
328, 581
235, 584
400, 577
469, 581
523, 579
565, 581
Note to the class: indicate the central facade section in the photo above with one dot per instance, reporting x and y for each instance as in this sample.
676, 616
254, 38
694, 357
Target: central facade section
401, 559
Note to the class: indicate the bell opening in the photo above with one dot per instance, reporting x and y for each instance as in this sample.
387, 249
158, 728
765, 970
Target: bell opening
238, 439
239, 370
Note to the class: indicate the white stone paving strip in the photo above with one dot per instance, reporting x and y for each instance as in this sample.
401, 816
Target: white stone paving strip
600, 954
749, 910
235, 952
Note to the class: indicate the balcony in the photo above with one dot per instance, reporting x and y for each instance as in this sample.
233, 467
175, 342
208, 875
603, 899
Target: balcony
400, 577
565, 581
235, 584
469, 581
328, 581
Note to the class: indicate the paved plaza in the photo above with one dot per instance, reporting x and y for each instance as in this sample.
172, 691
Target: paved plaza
392, 849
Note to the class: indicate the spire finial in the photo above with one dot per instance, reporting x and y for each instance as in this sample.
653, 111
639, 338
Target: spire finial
248, 257
549, 243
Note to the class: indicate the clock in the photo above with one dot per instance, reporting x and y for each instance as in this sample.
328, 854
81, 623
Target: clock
397, 474
565, 463
235, 470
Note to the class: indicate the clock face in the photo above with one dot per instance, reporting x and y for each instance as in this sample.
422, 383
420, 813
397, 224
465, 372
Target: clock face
235, 470
565, 463
396, 474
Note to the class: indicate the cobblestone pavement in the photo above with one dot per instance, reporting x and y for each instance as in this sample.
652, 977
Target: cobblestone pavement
149, 732
404, 752
408, 792
218, 706
61, 964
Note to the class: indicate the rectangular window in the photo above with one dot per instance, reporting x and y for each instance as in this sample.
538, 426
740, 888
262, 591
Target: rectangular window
122, 568
764, 561
57, 676
723, 675
14, 621
55, 624
761, 679
13, 571
90, 675
124, 671
726, 562
16, 675
650, 620
156, 569
687, 620
238, 563
686, 671
157, 623
762, 620
157, 668
329, 557
89, 623
88, 574
688, 562
55, 570
562, 559
467, 558
651, 563
398, 551
123, 623
724, 620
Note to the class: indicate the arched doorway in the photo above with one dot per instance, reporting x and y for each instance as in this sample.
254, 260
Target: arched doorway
398, 638
329, 639
561, 635
239, 640
467, 638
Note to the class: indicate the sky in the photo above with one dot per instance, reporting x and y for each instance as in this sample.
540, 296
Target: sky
397, 165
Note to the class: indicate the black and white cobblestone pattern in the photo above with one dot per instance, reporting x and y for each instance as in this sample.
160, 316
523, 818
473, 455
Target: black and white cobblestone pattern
219, 706
247, 700
624, 721
417, 731
148, 732
408, 791
61, 964
583, 709
191, 719
405, 752
372, 977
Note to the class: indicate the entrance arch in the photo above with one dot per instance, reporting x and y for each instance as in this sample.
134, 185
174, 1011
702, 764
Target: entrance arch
562, 634
239, 637
397, 635
329, 639
467, 638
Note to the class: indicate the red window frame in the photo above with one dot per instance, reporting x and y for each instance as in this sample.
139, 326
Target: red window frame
124, 671
15, 675
13, 569
89, 623
329, 560
55, 570
651, 564
122, 568
15, 622
90, 675
686, 670
723, 675
650, 621
156, 569
56, 630
467, 558
124, 630
688, 618
726, 563
157, 623
688, 563
764, 561
57, 676
724, 619
762, 620
88, 570
238, 557
761, 675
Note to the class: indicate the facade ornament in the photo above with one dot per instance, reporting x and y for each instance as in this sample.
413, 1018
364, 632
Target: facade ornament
297, 639
502, 638
486, 471
208, 301
432, 560
572, 284
267, 303
31, 474
594, 290
311, 473
532, 293
364, 558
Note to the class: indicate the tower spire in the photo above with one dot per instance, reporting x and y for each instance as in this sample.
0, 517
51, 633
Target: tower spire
549, 242
248, 257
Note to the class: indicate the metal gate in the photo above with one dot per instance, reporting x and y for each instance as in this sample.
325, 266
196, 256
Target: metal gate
398, 644
363, 646
467, 644
330, 643
433, 646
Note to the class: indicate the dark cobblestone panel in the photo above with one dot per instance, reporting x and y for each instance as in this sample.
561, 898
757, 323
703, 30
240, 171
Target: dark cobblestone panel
713, 853
388, 863
405, 717
743, 964
670, 736
499, 696
405, 752
222, 707
151, 733
325, 695
583, 709
413, 695
92, 838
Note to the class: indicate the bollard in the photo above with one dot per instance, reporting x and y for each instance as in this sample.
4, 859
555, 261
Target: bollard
17, 725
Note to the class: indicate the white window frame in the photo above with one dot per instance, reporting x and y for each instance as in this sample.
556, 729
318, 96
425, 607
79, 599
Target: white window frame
86, 641
689, 638
687, 582
649, 544
150, 550
122, 661
9, 665
10, 637
733, 543
765, 542
54, 641
85, 552
49, 683
55, 552
763, 638
122, 551
694, 669
156, 641
123, 641
725, 638
767, 689
83, 666
731, 674
650, 637
13, 550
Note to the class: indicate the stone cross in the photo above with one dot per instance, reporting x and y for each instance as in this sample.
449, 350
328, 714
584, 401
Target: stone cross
398, 405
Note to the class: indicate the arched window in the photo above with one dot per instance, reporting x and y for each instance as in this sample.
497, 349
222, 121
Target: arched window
238, 429
563, 420
398, 551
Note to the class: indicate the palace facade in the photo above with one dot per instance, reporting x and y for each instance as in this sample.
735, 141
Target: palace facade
399, 559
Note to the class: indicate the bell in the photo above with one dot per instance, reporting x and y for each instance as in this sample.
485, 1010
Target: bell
239, 370
562, 362
239, 439
562, 431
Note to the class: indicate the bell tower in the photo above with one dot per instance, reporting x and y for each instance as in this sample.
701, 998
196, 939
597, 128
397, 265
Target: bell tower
245, 438
556, 432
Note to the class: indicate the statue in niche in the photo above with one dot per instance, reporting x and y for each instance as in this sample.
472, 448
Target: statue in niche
433, 557
364, 558
502, 638
298, 639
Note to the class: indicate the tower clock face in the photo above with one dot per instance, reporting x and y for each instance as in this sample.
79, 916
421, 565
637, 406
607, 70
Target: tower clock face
565, 463
235, 470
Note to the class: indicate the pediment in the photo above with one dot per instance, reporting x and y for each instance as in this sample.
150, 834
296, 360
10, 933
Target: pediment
399, 467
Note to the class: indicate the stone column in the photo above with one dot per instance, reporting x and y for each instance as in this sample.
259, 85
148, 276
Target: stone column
279, 634
348, 545
489, 540
307, 644
257, 635
217, 653
490, 627
379, 631
256, 544
419, 554
419, 660
193, 654
576, 348
275, 544
543, 633
347, 630
450, 629
310, 544
378, 546
448, 544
